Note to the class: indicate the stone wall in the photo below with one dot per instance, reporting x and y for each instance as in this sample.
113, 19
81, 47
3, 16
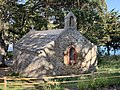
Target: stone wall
86, 52
32, 64
50, 59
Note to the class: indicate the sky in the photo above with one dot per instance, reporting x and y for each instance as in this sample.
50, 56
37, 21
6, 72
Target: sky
113, 4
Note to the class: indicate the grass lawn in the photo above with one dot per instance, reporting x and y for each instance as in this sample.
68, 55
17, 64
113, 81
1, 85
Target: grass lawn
108, 64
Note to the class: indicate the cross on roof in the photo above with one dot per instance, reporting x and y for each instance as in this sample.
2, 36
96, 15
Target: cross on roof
32, 27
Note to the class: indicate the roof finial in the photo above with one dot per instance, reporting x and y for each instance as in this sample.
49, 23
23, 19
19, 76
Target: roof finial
32, 27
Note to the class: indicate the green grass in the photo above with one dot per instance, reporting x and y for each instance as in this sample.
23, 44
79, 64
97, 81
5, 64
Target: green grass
108, 64
11, 88
99, 83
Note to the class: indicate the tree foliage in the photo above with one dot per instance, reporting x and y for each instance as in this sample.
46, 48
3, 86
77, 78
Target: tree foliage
112, 30
98, 25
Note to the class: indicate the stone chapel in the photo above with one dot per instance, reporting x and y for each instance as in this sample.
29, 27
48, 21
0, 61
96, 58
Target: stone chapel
55, 52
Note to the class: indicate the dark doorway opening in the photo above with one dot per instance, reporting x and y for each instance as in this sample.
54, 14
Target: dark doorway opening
72, 56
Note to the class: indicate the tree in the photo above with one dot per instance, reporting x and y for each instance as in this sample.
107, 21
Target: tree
112, 31
16, 20
4, 25
20, 17
92, 17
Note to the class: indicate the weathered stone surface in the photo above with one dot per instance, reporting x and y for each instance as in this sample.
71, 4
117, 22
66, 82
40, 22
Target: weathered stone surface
41, 53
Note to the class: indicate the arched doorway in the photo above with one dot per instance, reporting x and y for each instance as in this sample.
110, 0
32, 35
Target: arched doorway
72, 56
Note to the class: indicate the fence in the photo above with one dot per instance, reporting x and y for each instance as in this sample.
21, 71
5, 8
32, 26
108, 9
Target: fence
32, 81
48, 79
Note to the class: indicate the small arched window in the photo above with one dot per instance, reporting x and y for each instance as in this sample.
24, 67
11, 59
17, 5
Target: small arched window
71, 22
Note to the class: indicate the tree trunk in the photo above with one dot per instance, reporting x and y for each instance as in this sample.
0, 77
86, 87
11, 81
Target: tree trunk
3, 50
108, 48
114, 51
